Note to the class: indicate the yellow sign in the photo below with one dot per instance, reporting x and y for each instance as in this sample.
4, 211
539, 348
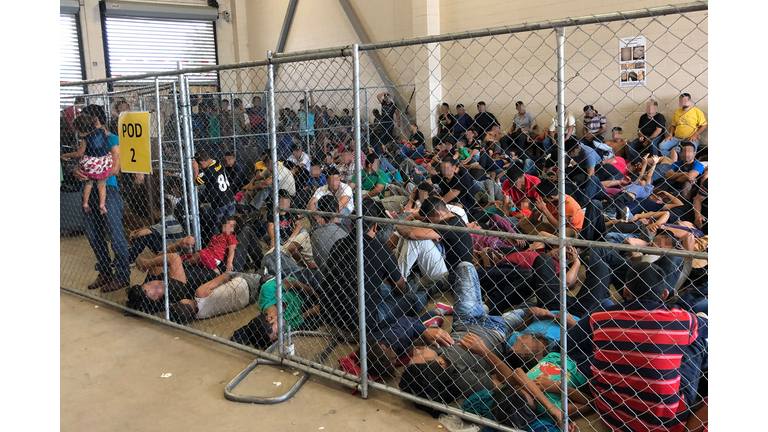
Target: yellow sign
133, 131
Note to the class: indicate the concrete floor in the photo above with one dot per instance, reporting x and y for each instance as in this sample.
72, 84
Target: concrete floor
110, 380
111, 367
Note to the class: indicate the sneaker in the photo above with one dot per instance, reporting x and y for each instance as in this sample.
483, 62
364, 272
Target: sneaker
621, 214
434, 322
626, 213
444, 309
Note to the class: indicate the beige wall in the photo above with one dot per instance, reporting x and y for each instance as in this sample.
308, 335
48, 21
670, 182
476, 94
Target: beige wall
497, 70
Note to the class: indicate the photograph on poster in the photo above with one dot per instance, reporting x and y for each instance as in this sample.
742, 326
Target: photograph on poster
632, 61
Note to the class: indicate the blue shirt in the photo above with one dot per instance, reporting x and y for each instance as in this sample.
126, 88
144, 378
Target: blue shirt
304, 121
113, 141
640, 192
97, 144
318, 182
462, 124
549, 328
398, 335
593, 159
695, 166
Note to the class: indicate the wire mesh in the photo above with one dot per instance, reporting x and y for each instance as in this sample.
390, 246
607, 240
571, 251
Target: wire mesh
460, 217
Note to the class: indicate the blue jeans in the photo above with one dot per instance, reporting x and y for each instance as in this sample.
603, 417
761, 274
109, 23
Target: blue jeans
396, 305
98, 226
666, 146
385, 165
153, 241
617, 237
416, 153
636, 147
468, 303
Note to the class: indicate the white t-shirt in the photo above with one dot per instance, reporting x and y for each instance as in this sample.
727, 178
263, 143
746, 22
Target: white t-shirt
569, 121
285, 180
344, 190
304, 159
458, 211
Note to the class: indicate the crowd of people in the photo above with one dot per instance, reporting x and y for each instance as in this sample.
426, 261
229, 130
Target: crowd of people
636, 355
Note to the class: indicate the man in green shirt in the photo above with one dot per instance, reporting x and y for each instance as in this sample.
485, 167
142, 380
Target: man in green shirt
374, 180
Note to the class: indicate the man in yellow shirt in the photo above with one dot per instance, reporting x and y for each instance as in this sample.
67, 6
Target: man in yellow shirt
687, 125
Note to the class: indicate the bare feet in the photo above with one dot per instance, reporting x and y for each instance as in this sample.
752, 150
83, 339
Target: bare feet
86, 208
103, 209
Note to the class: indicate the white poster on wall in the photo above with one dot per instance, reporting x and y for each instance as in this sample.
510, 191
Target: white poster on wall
632, 61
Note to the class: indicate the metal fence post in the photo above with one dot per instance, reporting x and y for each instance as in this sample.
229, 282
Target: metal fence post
192, 190
181, 155
367, 123
359, 223
306, 119
275, 209
560, 31
162, 194
234, 130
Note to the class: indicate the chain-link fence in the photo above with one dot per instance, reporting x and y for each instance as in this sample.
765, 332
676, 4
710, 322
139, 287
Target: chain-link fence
508, 177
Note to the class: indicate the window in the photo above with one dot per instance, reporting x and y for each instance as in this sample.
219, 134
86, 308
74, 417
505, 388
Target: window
141, 45
70, 59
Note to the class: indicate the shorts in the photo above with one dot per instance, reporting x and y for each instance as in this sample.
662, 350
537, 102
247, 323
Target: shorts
96, 168
207, 259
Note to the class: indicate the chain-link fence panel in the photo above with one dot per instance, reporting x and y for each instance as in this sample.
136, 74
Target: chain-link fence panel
485, 142
501, 184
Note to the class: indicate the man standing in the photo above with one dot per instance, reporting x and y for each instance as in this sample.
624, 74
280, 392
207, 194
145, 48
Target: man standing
650, 132
98, 226
258, 124
483, 120
307, 120
212, 174
688, 124
388, 114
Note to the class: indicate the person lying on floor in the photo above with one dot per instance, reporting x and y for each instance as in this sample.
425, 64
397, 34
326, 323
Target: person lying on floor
389, 343
226, 293
220, 246
182, 280
300, 310
527, 397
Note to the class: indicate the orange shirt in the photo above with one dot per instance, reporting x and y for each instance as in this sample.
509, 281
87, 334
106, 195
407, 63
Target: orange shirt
574, 216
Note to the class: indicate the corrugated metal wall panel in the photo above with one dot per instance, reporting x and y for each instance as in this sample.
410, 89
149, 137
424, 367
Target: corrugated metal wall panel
70, 63
138, 45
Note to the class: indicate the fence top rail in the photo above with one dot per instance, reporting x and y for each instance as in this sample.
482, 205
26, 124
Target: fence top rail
553, 241
346, 51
